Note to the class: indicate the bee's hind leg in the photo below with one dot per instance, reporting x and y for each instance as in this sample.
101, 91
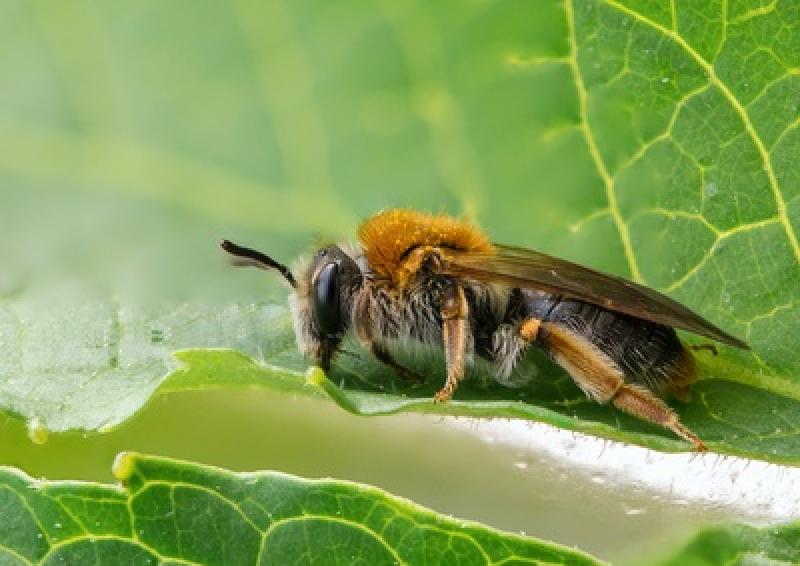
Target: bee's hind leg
602, 380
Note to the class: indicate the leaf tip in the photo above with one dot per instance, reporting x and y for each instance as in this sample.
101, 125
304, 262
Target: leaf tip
37, 432
315, 376
123, 466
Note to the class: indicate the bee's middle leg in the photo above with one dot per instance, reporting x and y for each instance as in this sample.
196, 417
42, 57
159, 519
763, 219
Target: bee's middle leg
455, 315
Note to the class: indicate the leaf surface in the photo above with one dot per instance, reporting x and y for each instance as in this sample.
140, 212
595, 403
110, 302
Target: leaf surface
171, 512
760, 430
740, 544
654, 140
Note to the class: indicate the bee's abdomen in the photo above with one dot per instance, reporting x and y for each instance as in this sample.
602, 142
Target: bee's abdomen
647, 353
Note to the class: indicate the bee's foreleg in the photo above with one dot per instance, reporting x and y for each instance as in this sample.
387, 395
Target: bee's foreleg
603, 380
455, 321
363, 331
382, 355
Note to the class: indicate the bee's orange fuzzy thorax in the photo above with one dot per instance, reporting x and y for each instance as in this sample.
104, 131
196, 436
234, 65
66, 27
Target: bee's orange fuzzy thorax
389, 235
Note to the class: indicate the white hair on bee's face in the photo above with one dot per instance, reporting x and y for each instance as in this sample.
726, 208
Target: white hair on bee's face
300, 305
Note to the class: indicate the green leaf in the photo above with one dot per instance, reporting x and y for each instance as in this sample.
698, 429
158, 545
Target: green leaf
171, 512
362, 387
651, 139
741, 544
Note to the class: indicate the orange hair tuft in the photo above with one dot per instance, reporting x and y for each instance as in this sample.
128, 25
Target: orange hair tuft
389, 235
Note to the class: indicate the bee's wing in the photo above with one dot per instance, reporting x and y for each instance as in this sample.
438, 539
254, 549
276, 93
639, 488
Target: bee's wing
530, 269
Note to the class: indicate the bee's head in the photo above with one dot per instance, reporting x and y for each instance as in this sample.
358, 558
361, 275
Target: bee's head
321, 299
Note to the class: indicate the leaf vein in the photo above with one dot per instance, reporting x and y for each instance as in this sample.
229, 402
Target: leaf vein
665, 135
15, 554
352, 524
737, 106
196, 487
720, 236
594, 152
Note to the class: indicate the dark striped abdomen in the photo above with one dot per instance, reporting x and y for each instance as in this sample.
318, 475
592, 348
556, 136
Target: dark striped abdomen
647, 353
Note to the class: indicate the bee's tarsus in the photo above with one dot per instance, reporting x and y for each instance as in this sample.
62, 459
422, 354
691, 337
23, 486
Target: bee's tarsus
708, 347
443, 395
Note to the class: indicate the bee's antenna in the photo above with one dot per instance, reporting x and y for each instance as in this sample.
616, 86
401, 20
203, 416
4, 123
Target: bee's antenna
247, 257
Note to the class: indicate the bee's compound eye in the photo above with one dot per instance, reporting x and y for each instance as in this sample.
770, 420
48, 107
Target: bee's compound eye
326, 299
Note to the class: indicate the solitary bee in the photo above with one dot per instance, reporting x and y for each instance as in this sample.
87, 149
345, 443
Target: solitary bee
439, 280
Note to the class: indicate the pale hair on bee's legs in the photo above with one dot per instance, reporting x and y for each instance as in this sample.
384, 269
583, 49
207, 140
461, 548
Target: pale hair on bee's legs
510, 342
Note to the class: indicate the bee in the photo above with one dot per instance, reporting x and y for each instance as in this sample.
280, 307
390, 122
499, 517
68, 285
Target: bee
439, 280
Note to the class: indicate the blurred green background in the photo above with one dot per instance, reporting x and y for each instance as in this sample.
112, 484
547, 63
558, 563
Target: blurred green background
133, 136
